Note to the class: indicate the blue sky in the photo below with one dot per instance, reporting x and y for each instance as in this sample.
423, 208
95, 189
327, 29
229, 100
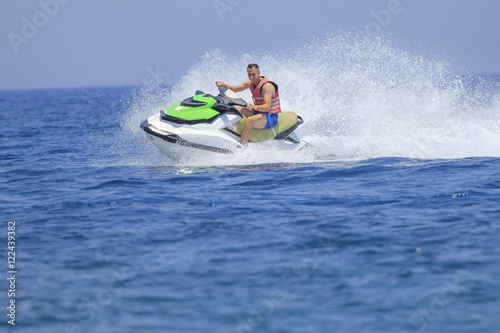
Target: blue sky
79, 43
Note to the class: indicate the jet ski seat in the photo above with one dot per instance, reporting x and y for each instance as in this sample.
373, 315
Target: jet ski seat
288, 121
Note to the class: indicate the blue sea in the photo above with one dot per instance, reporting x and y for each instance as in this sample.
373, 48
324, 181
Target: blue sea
390, 224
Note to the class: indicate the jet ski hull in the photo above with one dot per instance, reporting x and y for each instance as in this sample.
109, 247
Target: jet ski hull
177, 142
212, 139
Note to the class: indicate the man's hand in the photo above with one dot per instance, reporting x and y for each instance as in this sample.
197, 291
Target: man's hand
237, 88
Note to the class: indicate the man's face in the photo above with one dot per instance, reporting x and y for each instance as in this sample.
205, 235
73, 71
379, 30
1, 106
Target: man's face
253, 75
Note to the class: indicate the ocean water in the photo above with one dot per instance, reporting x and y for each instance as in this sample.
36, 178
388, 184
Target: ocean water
388, 223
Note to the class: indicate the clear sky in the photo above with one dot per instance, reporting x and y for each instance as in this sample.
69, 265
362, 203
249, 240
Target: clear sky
79, 43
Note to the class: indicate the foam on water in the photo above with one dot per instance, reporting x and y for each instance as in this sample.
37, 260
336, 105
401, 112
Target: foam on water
360, 97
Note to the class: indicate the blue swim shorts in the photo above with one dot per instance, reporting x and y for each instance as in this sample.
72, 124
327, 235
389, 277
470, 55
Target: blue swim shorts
272, 119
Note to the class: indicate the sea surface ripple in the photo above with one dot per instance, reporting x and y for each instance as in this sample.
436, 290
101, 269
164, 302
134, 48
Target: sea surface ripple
112, 237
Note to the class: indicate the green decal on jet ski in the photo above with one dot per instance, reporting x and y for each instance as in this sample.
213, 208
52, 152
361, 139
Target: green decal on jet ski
197, 107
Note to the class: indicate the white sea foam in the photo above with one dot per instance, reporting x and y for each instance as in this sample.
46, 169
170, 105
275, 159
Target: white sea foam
360, 97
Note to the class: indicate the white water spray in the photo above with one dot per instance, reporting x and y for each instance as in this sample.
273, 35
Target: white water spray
360, 98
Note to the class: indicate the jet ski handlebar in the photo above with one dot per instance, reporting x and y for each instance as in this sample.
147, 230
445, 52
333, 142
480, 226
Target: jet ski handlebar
230, 97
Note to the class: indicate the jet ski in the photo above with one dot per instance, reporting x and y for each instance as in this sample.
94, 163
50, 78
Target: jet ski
213, 124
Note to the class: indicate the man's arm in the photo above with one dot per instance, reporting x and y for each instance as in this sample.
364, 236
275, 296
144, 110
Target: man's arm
236, 88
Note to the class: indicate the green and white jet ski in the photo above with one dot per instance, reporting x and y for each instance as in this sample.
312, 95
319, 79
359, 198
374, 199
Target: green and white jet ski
212, 123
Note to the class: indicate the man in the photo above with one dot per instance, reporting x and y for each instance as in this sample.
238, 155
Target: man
264, 112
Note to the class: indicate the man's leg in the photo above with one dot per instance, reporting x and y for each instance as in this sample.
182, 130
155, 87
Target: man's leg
245, 112
258, 121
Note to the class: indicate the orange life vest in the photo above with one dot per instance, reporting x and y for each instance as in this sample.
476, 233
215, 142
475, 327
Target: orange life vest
259, 100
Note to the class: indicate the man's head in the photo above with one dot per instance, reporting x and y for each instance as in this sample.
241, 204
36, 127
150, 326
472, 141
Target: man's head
253, 73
